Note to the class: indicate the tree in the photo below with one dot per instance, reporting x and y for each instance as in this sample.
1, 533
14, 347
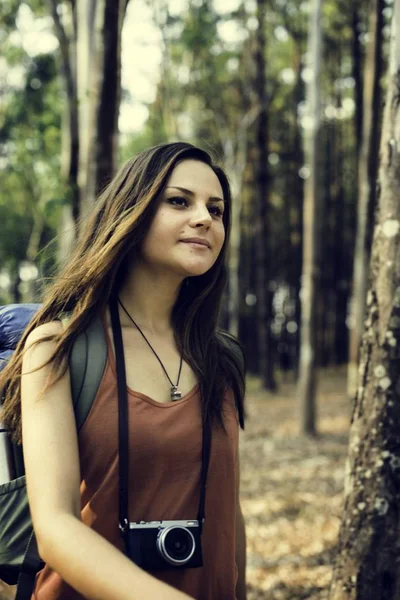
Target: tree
357, 64
312, 215
367, 564
367, 174
262, 242
89, 35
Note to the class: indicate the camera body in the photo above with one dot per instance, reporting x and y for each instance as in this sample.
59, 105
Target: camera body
154, 545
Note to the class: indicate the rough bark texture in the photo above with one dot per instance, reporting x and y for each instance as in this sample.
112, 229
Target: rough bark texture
368, 561
367, 175
311, 219
265, 362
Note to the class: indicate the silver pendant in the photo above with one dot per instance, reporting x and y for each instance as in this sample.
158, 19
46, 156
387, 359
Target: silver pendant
175, 393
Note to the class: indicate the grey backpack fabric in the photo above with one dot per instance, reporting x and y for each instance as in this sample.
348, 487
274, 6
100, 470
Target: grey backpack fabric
87, 363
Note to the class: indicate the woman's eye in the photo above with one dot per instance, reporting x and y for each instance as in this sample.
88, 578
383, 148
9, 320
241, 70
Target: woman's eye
181, 201
177, 199
218, 212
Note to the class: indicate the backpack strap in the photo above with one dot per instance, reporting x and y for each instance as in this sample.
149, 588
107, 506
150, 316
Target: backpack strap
87, 363
27, 575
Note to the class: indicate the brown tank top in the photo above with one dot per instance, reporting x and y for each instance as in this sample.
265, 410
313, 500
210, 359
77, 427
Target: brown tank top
165, 460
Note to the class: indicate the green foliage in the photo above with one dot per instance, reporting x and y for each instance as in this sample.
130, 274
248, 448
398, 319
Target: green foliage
135, 143
8, 14
30, 137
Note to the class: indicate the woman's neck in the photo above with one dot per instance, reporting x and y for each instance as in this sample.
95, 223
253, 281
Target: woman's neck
149, 302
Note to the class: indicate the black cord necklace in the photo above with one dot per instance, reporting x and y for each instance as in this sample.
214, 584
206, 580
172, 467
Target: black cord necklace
175, 393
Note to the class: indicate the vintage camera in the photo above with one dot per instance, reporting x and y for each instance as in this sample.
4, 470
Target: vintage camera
164, 544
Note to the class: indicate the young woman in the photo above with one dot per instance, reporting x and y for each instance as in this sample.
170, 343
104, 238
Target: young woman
154, 253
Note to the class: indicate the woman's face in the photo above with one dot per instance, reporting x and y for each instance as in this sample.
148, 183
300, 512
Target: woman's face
191, 206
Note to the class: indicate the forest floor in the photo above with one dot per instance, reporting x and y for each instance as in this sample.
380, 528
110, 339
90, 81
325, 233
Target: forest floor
292, 489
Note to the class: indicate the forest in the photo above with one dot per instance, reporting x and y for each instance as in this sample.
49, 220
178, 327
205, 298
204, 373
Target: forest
299, 100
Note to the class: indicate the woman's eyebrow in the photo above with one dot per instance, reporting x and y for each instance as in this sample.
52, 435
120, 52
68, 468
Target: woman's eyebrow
190, 193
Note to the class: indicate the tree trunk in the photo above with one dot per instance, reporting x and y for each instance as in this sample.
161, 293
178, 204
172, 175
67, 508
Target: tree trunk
340, 270
66, 34
367, 565
69, 173
312, 214
234, 249
334, 258
367, 174
99, 89
330, 246
263, 275
235, 159
15, 292
90, 47
298, 195
357, 73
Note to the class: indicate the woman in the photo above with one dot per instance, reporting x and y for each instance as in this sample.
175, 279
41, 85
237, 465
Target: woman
154, 254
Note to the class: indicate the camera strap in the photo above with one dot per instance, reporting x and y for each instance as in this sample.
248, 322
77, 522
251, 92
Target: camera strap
123, 430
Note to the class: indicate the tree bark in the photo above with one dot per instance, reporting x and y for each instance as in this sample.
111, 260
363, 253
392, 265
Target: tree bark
263, 275
235, 159
368, 561
335, 268
312, 214
367, 174
235, 177
298, 196
99, 89
65, 31
357, 72
90, 48
340, 271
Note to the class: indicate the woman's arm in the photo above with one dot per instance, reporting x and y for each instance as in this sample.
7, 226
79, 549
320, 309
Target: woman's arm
240, 547
84, 559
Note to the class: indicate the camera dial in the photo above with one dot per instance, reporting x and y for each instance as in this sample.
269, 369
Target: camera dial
176, 544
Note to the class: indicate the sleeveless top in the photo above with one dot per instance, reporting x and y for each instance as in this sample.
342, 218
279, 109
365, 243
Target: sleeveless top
165, 442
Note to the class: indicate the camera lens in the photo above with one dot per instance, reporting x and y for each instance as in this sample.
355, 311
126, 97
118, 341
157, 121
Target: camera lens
176, 545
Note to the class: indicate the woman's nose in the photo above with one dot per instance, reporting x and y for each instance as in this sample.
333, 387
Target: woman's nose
201, 215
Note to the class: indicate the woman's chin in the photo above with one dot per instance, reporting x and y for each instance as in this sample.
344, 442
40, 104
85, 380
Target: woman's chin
195, 271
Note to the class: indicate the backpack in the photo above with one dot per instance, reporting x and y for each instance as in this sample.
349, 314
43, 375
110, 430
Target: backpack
19, 558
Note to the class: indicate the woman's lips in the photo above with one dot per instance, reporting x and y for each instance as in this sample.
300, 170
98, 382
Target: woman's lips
197, 245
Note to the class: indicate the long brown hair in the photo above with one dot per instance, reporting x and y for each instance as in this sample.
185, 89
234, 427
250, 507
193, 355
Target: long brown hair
120, 220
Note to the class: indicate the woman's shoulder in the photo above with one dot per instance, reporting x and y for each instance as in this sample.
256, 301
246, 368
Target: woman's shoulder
40, 345
44, 331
